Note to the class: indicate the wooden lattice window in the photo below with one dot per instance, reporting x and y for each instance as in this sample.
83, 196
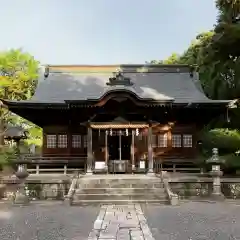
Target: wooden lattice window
51, 141
76, 141
176, 140
187, 140
163, 140
62, 141
154, 140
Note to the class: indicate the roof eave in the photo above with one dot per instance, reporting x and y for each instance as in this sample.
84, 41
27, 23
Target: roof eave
25, 104
211, 103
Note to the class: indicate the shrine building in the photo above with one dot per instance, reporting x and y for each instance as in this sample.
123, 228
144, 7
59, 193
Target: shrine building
119, 118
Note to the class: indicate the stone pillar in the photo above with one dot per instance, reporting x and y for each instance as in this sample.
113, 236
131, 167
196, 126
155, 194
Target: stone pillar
216, 174
89, 152
150, 152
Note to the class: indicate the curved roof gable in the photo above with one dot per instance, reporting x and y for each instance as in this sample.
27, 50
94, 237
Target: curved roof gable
151, 82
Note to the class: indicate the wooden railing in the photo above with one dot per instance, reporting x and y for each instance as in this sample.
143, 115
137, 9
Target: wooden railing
159, 166
69, 164
55, 164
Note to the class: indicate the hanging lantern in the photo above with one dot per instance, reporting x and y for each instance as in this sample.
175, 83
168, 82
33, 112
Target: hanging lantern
111, 132
126, 132
137, 132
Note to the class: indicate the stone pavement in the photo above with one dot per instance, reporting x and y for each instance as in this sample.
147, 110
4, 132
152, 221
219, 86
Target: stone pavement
119, 222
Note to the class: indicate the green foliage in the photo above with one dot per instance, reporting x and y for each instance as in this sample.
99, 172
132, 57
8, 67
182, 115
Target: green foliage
232, 160
6, 156
228, 143
19, 73
226, 140
18, 79
227, 31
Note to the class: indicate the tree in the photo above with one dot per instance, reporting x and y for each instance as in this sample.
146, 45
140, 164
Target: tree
18, 75
227, 30
18, 79
216, 56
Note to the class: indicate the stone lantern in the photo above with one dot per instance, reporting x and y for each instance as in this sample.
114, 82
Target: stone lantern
17, 134
216, 174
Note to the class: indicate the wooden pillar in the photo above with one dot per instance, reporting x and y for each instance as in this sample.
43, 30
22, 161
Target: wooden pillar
120, 145
133, 151
150, 151
89, 151
106, 150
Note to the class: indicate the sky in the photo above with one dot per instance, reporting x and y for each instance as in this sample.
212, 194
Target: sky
103, 31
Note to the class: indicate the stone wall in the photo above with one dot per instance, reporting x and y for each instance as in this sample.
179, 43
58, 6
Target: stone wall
201, 190
37, 191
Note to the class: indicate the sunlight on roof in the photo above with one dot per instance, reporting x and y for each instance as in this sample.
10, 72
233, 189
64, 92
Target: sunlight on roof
153, 93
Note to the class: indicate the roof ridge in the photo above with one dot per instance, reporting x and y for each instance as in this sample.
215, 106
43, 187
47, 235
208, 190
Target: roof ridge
117, 65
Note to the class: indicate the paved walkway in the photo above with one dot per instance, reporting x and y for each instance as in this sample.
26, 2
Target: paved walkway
121, 223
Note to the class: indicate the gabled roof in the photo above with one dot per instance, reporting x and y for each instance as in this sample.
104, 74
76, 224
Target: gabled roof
150, 82
160, 83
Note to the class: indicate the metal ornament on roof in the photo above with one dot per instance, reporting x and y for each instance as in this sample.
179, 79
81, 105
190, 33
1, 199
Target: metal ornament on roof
46, 72
119, 79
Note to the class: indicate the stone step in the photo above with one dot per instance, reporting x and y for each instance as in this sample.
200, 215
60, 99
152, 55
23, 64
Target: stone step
120, 180
120, 185
110, 197
120, 190
119, 202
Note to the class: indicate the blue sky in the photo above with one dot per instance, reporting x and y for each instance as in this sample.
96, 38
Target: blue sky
103, 31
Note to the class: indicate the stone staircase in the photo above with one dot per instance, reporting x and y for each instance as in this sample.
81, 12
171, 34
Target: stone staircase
119, 189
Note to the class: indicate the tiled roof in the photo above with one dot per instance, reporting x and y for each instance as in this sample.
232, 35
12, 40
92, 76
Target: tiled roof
152, 82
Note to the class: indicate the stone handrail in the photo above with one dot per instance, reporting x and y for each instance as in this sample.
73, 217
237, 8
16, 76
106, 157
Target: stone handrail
173, 198
71, 191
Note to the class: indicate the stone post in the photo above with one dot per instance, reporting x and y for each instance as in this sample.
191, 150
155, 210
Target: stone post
21, 197
216, 174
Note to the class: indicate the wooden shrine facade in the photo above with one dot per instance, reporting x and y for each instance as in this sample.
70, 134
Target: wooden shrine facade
105, 143
125, 124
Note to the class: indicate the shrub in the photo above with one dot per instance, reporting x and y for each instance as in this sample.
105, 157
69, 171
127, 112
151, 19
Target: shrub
226, 140
232, 160
7, 156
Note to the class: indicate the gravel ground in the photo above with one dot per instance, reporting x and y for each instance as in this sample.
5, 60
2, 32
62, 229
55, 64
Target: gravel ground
53, 221
47, 221
194, 221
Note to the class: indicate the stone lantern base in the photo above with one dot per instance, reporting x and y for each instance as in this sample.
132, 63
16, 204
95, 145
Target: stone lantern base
217, 197
217, 194
21, 198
